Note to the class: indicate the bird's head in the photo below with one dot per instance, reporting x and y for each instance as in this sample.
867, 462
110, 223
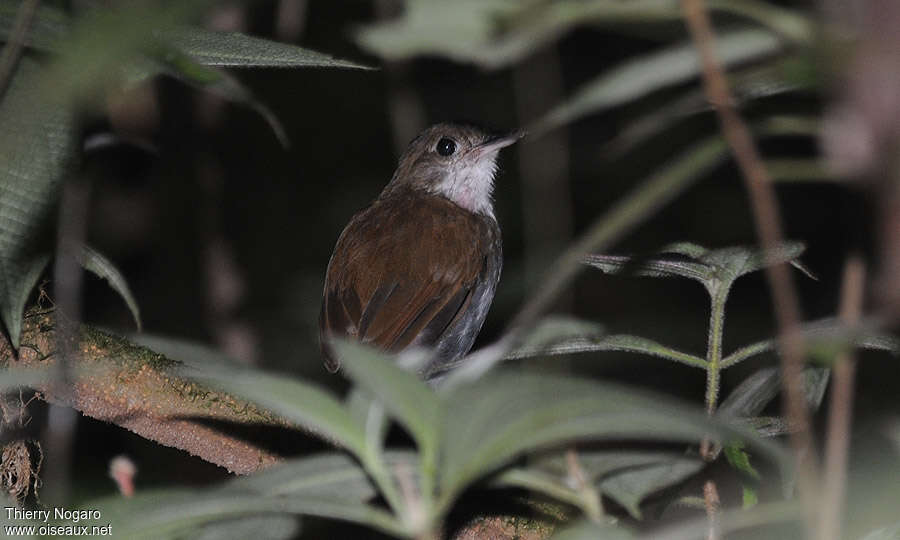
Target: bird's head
456, 161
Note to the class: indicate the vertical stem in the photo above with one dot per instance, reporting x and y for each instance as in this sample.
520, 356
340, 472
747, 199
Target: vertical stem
711, 501
714, 345
840, 411
767, 220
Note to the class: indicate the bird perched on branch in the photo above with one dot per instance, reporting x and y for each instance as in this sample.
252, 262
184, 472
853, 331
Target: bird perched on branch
419, 266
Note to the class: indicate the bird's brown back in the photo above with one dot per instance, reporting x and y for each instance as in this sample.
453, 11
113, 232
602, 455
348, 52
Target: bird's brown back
402, 270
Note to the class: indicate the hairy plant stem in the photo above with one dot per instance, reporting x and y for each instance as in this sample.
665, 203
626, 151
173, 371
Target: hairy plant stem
718, 296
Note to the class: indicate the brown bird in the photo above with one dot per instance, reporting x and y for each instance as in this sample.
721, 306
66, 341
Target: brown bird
419, 266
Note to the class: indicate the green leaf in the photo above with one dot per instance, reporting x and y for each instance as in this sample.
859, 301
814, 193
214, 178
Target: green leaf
36, 145
828, 333
330, 475
502, 415
554, 330
233, 49
169, 513
732, 263
626, 476
656, 267
260, 527
101, 267
403, 394
639, 77
297, 401
749, 497
618, 342
590, 530
740, 459
630, 487
495, 33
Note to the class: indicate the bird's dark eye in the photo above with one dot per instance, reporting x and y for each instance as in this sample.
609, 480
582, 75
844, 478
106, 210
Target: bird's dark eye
446, 147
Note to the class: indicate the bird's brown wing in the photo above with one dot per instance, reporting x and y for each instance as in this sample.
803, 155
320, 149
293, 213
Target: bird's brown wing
402, 271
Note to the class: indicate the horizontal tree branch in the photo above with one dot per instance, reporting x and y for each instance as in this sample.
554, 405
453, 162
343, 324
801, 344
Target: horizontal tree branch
133, 387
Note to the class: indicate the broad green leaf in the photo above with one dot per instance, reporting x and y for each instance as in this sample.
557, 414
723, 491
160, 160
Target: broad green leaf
618, 342
303, 403
503, 415
641, 76
36, 145
100, 266
233, 49
170, 513
403, 394
331, 475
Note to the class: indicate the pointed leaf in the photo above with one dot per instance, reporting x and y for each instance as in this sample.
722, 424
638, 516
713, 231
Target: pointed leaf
303, 403
233, 49
36, 144
403, 394
332, 475
733, 263
656, 267
618, 342
824, 333
641, 76
101, 267
630, 487
169, 513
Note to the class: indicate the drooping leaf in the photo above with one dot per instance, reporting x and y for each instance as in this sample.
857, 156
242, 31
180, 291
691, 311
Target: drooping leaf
297, 401
639, 77
36, 144
100, 266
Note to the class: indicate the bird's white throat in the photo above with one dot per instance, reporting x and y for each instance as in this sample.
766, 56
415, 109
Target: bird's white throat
470, 184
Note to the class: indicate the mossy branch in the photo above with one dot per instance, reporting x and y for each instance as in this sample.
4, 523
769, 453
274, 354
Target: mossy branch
114, 380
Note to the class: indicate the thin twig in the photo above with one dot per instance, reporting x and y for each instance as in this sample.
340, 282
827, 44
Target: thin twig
711, 502
840, 409
768, 228
16, 44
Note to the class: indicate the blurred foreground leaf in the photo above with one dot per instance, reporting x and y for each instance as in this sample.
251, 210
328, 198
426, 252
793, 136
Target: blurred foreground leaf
100, 266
